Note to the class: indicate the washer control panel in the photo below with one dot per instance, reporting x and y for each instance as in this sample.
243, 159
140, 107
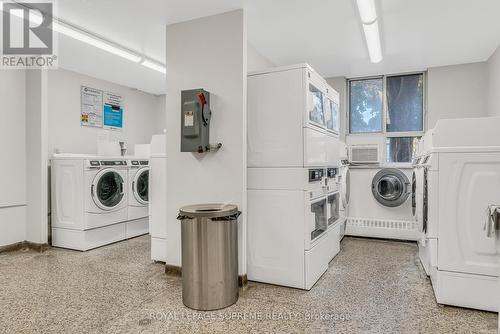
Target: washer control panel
332, 172
316, 174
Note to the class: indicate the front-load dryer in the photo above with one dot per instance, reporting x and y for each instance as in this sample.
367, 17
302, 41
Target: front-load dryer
391, 187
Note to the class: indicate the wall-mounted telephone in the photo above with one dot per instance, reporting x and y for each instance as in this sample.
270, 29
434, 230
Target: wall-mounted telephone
195, 121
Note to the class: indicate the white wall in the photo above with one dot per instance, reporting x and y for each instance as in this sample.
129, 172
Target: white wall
493, 67
140, 121
37, 155
161, 117
456, 91
219, 66
13, 152
255, 60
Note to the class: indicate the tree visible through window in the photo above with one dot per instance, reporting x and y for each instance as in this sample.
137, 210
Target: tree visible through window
405, 99
404, 114
366, 105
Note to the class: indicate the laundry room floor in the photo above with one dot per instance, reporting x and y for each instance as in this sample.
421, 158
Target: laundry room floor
371, 287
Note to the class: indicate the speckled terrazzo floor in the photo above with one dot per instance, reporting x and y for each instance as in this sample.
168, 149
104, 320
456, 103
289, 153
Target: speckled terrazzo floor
371, 287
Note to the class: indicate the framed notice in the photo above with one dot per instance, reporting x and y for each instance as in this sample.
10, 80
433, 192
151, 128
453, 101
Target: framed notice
91, 111
113, 111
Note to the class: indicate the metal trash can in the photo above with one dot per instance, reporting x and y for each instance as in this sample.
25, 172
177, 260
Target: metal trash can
209, 255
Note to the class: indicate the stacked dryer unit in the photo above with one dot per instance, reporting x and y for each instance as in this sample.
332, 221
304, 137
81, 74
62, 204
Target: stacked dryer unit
293, 146
461, 180
89, 201
158, 198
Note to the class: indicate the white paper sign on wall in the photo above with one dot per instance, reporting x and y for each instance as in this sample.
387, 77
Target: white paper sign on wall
91, 107
113, 111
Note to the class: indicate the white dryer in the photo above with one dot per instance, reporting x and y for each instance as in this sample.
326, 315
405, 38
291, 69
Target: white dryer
306, 109
463, 178
287, 208
89, 200
138, 199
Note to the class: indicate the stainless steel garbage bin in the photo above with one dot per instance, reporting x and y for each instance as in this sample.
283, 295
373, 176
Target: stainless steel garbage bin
209, 255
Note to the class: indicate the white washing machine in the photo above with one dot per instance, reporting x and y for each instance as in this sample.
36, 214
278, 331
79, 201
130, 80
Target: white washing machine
138, 198
288, 223
89, 200
463, 178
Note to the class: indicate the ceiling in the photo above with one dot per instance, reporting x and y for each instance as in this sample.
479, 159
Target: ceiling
415, 34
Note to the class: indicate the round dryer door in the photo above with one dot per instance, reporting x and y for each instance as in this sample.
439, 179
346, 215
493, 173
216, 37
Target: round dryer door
140, 186
391, 187
107, 189
345, 191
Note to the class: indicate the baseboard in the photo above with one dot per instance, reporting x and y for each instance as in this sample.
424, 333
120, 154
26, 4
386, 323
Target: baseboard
382, 228
173, 270
177, 272
24, 245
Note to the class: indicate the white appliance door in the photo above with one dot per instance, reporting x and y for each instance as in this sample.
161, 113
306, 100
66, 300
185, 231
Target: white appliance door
314, 148
140, 186
468, 183
315, 105
276, 235
107, 189
329, 118
316, 220
333, 208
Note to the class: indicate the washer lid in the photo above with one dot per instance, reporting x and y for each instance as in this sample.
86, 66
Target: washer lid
210, 210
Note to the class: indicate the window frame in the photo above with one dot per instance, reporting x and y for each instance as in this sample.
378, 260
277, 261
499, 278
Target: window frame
385, 112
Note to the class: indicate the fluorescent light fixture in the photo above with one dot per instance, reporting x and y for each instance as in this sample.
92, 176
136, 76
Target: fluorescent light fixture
155, 66
367, 11
81, 35
373, 42
91, 40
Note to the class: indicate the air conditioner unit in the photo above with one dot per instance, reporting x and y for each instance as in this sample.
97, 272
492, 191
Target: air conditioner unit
364, 154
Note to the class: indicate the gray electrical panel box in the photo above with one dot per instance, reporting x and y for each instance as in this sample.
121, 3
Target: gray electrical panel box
195, 121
